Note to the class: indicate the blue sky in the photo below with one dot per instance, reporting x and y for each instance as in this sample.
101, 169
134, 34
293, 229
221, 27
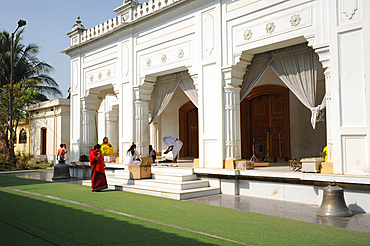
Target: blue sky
48, 21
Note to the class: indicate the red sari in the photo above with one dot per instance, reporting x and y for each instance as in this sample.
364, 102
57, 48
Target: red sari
98, 179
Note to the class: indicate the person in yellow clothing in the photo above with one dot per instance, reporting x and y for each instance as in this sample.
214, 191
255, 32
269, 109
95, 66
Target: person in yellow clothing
325, 151
106, 147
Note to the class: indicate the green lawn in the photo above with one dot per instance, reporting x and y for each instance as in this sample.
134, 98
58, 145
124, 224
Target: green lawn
65, 224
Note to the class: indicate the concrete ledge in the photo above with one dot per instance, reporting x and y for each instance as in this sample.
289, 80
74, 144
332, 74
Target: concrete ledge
228, 172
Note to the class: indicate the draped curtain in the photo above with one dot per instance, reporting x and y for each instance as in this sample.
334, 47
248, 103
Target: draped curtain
165, 88
162, 94
187, 85
255, 71
296, 66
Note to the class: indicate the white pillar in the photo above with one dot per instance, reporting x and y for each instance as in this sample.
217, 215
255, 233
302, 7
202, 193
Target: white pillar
142, 127
233, 78
232, 122
88, 136
112, 128
154, 136
329, 138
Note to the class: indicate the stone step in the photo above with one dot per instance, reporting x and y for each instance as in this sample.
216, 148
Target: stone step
176, 185
172, 170
129, 186
169, 193
174, 177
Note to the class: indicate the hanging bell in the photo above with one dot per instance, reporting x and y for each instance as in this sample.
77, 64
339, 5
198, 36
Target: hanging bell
333, 203
61, 171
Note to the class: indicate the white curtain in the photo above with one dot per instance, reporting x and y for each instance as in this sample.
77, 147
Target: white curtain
187, 85
297, 67
162, 94
255, 71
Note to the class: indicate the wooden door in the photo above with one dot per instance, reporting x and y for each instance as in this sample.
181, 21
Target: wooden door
193, 142
265, 122
188, 130
43, 141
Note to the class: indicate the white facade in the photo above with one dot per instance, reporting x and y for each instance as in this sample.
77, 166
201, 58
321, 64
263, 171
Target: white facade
215, 42
49, 127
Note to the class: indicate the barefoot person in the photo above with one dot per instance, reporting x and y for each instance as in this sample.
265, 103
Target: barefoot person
173, 144
98, 179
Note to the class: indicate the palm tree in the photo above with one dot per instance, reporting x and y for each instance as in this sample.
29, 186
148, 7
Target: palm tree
28, 73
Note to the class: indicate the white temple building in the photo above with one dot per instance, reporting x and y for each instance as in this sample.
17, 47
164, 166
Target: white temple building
289, 77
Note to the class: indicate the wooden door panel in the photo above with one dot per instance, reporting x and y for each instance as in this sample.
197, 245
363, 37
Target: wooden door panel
193, 133
267, 109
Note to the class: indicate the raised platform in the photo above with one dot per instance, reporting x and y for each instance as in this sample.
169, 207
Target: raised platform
279, 183
175, 183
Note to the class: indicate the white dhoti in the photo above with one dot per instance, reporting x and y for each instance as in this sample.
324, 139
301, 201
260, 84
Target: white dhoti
175, 143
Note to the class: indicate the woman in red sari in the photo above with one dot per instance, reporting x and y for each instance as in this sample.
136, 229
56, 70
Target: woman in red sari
98, 179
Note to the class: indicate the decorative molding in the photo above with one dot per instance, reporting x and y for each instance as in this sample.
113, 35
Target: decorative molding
109, 73
164, 58
295, 20
270, 27
91, 78
247, 34
100, 75
349, 8
148, 62
208, 34
125, 60
180, 53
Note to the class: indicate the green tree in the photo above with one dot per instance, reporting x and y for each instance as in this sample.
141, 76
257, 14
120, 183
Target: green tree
31, 82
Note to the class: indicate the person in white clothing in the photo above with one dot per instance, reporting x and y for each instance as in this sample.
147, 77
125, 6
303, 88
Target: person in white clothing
173, 144
132, 156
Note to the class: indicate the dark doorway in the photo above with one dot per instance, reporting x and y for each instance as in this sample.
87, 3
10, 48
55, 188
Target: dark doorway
189, 131
43, 141
265, 121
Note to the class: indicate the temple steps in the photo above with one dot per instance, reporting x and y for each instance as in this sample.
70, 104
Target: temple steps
170, 182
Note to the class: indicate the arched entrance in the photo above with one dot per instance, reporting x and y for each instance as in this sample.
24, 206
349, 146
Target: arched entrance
189, 131
265, 122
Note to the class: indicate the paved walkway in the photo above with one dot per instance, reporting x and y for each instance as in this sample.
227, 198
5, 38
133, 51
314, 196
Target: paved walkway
295, 211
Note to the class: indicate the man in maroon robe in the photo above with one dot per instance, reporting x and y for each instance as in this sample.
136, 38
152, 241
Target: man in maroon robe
98, 179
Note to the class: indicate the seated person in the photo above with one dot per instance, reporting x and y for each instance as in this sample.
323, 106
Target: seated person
152, 153
106, 147
132, 156
173, 144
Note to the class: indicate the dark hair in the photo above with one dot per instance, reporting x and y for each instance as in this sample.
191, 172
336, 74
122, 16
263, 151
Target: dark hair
61, 145
65, 145
97, 147
132, 149
150, 147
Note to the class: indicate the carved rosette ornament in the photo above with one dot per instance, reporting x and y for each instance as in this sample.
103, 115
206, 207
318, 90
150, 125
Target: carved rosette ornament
295, 20
100, 75
109, 73
91, 78
248, 34
74, 40
180, 53
164, 58
148, 62
270, 27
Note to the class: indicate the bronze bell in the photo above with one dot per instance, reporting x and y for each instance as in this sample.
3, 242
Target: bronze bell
61, 171
333, 203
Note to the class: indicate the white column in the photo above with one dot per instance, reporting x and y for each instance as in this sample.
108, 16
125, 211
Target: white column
112, 128
329, 138
232, 122
233, 78
154, 136
142, 127
88, 136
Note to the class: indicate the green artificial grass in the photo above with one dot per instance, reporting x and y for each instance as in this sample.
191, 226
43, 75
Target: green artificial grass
238, 225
